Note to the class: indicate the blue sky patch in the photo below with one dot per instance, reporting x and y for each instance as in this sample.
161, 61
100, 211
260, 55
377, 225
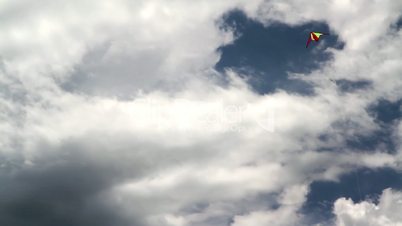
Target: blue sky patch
359, 185
268, 54
385, 113
398, 24
348, 86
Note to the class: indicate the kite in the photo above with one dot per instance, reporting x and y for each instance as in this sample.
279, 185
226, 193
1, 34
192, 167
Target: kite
314, 36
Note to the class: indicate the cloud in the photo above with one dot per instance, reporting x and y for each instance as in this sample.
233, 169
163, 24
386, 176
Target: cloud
159, 155
358, 27
112, 113
116, 42
367, 213
62, 192
290, 201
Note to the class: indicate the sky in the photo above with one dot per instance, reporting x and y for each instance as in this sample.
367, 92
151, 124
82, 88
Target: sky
200, 113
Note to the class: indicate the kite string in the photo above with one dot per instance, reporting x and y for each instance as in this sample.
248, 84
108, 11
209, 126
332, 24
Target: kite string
358, 187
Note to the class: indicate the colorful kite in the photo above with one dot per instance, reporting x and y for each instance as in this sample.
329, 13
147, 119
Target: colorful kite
314, 36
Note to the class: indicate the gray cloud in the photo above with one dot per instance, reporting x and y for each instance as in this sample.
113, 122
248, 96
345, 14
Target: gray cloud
61, 193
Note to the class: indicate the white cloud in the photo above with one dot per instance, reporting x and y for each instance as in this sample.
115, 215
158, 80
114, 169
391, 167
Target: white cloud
385, 213
143, 42
359, 23
188, 141
290, 201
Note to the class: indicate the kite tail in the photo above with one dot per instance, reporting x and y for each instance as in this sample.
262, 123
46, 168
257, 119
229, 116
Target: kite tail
308, 42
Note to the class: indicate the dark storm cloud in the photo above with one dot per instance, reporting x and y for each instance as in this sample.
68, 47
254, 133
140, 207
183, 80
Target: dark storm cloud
61, 196
269, 53
359, 185
60, 191
69, 185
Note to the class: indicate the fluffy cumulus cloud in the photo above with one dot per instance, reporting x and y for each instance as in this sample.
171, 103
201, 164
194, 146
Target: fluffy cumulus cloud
367, 213
111, 113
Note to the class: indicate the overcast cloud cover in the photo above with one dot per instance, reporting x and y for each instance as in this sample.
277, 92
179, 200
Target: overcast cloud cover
112, 113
